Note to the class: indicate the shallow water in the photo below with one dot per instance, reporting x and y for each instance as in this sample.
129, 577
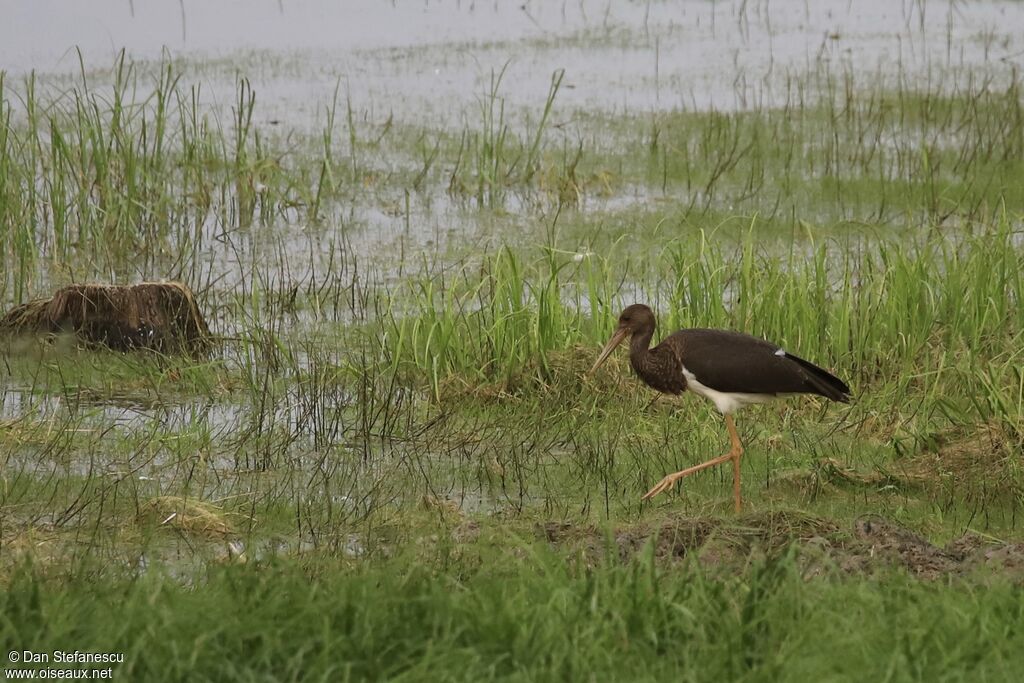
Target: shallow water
436, 58
431, 64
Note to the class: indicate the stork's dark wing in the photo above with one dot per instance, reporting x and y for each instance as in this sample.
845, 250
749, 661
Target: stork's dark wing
736, 362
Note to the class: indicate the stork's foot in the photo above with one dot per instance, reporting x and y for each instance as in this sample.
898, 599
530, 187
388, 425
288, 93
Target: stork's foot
670, 480
664, 485
734, 454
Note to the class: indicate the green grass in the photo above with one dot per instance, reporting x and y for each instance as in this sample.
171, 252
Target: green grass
357, 415
531, 618
939, 313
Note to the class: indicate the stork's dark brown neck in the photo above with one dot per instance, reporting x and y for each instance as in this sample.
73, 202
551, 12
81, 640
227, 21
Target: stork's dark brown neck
639, 352
639, 344
658, 368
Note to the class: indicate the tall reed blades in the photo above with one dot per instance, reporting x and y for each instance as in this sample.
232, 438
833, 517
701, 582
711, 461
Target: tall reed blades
492, 159
874, 311
139, 168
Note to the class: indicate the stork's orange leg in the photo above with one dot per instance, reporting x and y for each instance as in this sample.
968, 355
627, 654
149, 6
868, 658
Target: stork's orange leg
734, 454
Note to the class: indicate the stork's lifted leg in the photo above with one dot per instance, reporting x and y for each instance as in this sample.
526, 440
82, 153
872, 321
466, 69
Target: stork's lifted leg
734, 455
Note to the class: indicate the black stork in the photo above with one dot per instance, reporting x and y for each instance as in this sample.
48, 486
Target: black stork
731, 369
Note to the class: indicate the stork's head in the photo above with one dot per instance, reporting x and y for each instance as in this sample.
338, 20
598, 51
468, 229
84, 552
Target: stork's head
633, 320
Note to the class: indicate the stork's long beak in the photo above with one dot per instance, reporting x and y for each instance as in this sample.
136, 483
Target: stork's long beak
616, 339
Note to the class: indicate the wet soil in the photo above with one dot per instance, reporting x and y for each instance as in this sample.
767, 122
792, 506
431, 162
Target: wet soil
870, 545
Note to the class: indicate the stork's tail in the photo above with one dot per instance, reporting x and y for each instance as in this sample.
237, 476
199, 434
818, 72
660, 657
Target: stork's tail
823, 382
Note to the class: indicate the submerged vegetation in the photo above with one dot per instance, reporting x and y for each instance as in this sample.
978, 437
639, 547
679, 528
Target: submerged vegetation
391, 462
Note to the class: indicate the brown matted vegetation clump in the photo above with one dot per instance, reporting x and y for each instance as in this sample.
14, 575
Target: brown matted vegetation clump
188, 515
162, 316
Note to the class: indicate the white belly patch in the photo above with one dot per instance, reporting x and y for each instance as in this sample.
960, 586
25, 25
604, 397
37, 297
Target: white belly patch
726, 401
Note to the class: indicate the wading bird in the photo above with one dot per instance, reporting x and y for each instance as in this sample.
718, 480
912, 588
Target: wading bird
729, 368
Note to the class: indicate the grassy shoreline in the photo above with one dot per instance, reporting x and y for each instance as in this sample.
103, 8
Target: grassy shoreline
398, 470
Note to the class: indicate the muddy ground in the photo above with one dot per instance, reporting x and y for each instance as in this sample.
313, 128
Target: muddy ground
872, 544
